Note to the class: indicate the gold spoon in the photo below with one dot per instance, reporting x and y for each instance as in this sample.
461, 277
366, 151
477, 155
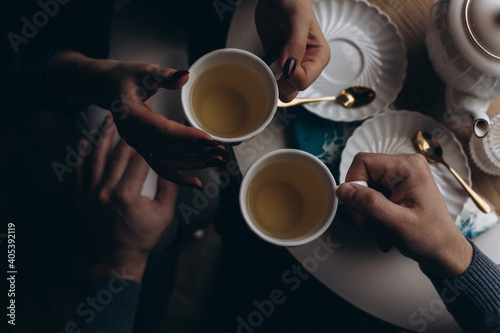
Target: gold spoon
353, 97
428, 146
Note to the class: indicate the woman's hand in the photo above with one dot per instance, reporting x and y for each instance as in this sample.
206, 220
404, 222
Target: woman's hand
124, 88
124, 226
289, 31
412, 215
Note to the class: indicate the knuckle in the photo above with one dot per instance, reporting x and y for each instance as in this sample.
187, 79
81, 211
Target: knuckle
418, 158
417, 161
150, 68
122, 196
298, 48
127, 199
359, 157
103, 196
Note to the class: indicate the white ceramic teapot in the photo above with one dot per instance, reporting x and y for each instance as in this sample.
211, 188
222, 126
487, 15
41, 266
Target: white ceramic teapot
463, 41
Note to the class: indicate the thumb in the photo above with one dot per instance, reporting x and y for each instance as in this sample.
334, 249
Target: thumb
369, 203
171, 79
294, 49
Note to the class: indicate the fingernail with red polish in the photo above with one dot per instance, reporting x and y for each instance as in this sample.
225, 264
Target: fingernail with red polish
177, 75
215, 163
289, 68
207, 143
220, 151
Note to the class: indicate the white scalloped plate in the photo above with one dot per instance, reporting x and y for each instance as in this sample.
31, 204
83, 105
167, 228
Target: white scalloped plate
392, 133
366, 50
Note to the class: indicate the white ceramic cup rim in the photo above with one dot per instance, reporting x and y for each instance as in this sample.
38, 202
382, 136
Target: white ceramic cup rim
326, 177
266, 78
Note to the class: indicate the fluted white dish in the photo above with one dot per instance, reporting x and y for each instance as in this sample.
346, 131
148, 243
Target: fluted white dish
485, 152
392, 133
366, 50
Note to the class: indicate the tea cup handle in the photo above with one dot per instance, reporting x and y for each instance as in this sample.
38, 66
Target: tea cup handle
271, 58
275, 68
359, 182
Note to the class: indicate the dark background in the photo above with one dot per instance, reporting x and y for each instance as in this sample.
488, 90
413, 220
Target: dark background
220, 272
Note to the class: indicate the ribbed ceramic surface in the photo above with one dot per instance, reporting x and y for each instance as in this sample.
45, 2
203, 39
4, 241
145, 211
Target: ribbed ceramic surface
372, 46
450, 65
485, 152
392, 133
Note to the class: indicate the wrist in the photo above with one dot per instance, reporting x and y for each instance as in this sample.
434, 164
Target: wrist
452, 261
127, 262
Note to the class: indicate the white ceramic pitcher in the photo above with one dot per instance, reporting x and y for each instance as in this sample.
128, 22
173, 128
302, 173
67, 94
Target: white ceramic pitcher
463, 41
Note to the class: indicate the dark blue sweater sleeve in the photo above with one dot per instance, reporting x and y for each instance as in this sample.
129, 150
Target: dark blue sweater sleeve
473, 298
112, 306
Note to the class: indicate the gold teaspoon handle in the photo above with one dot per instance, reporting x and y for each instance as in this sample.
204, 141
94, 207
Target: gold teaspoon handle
298, 101
480, 203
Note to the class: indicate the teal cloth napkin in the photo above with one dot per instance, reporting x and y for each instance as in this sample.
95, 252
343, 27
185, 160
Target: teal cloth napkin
326, 139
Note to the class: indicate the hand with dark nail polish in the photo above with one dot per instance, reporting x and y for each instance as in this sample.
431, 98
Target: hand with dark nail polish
167, 146
290, 33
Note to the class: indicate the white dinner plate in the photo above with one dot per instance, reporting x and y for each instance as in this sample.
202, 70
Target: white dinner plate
366, 50
392, 133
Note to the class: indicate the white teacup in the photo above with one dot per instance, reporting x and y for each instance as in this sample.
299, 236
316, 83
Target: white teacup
288, 198
231, 94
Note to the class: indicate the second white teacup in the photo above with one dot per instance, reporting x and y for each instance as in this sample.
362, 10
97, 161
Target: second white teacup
231, 94
287, 197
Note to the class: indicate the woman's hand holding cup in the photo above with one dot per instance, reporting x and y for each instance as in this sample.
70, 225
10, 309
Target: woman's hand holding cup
125, 88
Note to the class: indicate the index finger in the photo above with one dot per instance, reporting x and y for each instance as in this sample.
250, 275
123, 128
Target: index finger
314, 60
311, 67
389, 170
306, 73
165, 129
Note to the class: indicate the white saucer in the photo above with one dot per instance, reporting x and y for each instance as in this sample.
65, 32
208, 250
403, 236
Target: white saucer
392, 133
366, 50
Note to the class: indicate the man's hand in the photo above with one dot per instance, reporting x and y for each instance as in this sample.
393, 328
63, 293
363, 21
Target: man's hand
411, 214
123, 225
289, 30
